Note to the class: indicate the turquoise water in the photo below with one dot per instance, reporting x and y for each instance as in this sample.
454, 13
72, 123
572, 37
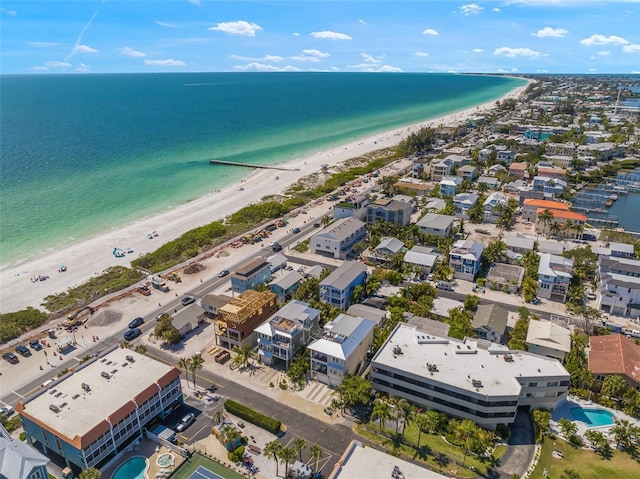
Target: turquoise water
593, 417
80, 154
131, 469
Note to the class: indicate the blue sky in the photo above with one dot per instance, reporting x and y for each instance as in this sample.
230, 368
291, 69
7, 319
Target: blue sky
509, 36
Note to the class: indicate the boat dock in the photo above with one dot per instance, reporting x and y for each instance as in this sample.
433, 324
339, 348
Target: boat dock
251, 165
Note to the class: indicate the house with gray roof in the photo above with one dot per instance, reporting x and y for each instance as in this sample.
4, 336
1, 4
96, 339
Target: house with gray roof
463, 202
285, 285
386, 250
493, 206
435, 204
518, 243
464, 259
19, 460
491, 182
435, 224
337, 288
251, 273
490, 322
554, 274
548, 339
423, 257
212, 303
390, 210
338, 239
378, 316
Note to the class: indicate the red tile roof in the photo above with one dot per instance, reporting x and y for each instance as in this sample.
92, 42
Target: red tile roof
569, 215
614, 354
547, 204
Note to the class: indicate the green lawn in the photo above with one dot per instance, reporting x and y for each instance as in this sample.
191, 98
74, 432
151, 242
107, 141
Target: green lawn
435, 453
586, 463
187, 468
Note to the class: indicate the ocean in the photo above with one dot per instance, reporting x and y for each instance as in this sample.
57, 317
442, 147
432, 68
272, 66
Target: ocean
81, 154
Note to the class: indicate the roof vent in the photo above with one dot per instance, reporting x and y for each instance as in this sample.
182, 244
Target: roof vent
508, 358
130, 359
476, 383
76, 396
397, 350
63, 405
114, 371
432, 368
86, 387
105, 374
54, 408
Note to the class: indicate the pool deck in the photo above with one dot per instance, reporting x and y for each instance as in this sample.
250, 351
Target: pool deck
149, 450
564, 411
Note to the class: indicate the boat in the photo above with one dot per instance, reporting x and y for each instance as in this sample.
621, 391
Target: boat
62, 269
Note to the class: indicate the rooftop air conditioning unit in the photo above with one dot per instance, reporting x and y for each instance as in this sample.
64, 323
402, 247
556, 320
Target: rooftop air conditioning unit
86, 387
130, 359
105, 374
54, 408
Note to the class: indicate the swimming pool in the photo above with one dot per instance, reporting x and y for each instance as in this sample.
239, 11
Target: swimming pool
132, 469
593, 417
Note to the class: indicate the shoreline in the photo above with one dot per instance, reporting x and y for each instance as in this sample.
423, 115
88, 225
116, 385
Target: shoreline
91, 256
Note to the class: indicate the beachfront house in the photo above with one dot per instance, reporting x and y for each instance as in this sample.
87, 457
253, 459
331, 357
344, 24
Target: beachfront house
389, 210
338, 240
352, 207
420, 167
554, 274
282, 335
464, 259
340, 349
250, 274
337, 288
435, 224
238, 319
441, 168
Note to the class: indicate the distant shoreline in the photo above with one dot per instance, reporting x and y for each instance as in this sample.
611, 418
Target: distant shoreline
92, 255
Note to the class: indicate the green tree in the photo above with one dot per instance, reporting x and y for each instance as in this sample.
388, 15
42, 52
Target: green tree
570, 474
460, 324
599, 441
529, 289
354, 391
91, 473
614, 386
493, 252
545, 218
141, 349
467, 433
421, 422
435, 421
382, 411
287, 456
195, 363
243, 357
315, 452
541, 419
623, 432
567, 427
185, 363
272, 450
229, 436
299, 445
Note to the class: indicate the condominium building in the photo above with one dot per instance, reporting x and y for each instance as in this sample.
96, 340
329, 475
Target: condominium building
554, 275
238, 319
94, 412
286, 331
340, 348
338, 240
470, 379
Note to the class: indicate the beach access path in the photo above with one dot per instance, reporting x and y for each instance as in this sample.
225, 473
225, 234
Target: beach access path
92, 256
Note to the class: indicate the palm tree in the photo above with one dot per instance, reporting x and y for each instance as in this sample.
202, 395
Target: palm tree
546, 217
218, 416
382, 411
125, 345
287, 456
243, 355
272, 450
567, 427
622, 432
141, 349
315, 452
555, 229
422, 422
185, 363
195, 363
467, 433
569, 226
229, 434
91, 473
434, 421
299, 445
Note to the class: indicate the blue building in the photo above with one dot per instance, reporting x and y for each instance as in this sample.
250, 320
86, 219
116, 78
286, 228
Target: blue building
464, 259
337, 288
250, 274
19, 460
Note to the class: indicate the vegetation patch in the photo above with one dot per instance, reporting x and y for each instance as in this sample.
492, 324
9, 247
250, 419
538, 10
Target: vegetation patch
14, 324
243, 412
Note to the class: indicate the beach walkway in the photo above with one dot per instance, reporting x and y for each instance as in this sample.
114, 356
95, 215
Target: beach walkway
251, 165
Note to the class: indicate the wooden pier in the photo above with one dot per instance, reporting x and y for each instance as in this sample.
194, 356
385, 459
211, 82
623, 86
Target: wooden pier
251, 165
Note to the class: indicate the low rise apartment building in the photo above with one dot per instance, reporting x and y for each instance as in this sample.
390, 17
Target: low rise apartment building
554, 275
337, 288
392, 211
619, 288
338, 239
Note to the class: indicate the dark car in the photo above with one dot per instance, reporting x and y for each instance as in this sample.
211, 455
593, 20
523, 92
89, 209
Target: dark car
12, 358
276, 248
185, 422
316, 225
35, 345
136, 322
187, 300
132, 334
23, 351
223, 273
296, 230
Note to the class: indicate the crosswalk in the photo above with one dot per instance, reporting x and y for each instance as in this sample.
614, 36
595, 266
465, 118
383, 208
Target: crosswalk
318, 392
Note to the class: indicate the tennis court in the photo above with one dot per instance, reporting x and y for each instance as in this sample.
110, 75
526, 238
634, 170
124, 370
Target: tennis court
200, 467
202, 473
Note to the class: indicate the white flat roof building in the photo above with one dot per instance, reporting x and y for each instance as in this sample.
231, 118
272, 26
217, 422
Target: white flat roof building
471, 379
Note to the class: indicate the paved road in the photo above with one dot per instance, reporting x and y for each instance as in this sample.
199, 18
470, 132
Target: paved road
519, 454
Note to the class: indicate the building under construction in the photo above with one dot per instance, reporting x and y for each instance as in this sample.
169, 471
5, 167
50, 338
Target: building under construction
238, 319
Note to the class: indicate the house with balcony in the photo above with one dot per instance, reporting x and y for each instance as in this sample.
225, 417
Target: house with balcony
250, 274
464, 259
548, 339
468, 379
619, 288
338, 240
238, 319
337, 288
282, 335
423, 257
491, 182
551, 171
286, 285
568, 224
441, 168
564, 149
435, 224
505, 155
554, 274
614, 354
386, 250
490, 322
449, 185
550, 186
420, 167
353, 207
390, 210
340, 349
519, 170
467, 172
463, 202
531, 206
493, 206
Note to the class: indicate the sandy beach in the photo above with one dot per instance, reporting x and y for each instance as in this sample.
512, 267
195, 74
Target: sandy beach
91, 256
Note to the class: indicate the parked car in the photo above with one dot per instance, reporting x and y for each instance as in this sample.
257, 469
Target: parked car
35, 345
536, 301
296, 230
136, 322
187, 300
276, 248
185, 422
132, 334
444, 285
6, 411
316, 225
23, 351
10, 357
223, 273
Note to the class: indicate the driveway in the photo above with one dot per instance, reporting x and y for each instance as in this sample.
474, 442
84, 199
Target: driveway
521, 446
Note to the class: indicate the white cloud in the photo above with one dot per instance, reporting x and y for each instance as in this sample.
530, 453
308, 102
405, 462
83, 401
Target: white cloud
296, 34
514, 70
261, 67
57, 64
602, 40
39, 68
166, 24
266, 58
170, 62
592, 70
83, 68
632, 48
496, 9
373, 68
550, 32
430, 31
604, 54
389, 68
421, 54
328, 35
311, 55
43, 44
477, 50
542, 71
361, 21
84, 49
516, 52
315, 53
370, 59
240, 27
130, 52
11, 13
470, 9
195, 2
